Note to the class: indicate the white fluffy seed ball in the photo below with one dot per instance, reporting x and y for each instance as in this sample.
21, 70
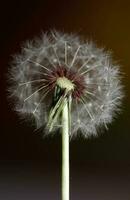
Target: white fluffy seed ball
97, 93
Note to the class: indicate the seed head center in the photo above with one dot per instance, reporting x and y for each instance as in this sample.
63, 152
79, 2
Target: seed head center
65, 83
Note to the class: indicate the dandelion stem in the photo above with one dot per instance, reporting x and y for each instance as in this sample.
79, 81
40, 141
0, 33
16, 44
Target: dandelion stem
65, 152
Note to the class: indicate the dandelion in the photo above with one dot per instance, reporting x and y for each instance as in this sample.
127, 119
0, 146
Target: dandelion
65, 82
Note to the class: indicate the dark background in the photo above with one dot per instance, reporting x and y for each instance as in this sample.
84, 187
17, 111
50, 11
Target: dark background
30, 165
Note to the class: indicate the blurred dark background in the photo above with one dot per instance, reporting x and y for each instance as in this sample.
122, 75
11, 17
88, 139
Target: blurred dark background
30, 165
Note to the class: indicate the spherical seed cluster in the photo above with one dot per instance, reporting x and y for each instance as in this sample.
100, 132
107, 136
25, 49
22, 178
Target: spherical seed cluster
65, 60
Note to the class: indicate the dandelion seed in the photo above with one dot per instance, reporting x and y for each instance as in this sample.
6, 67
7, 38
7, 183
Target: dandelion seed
75, 55
86, 108
57, 58
65, 53
92, 68
84, 64
42, 98
38, 64
39, 80
44, 86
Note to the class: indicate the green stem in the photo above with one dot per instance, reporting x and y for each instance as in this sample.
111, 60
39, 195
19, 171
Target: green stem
65, 152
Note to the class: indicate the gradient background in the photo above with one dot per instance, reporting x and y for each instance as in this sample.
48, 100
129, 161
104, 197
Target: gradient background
30, 166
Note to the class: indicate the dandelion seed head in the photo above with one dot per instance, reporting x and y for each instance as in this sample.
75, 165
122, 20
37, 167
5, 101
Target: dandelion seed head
58, 65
